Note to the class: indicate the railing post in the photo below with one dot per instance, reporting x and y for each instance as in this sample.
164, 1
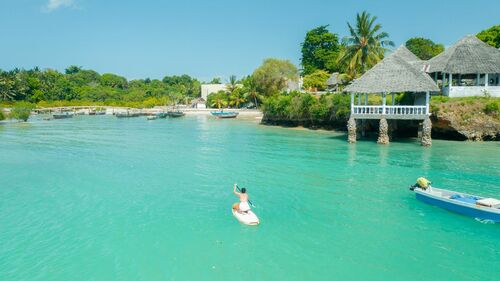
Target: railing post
427, 96
352, 102
383, 103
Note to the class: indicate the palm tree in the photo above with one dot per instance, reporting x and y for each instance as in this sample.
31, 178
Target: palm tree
7, 91
236, 99
250, 90
219, 99
232, 85
365, 46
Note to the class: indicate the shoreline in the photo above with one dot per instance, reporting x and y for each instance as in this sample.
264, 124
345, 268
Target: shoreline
111, 110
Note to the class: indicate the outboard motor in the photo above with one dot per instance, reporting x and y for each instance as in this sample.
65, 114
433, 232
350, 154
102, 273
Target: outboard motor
422, 183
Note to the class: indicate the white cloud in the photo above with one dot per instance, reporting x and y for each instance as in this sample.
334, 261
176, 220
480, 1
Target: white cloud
56, 4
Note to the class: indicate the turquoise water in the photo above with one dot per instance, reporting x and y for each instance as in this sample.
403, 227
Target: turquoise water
101, 198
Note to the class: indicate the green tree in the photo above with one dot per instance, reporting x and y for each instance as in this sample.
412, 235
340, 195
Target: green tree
114, 81
7, 91
320, 51
219, 99
316, 80
73, 69
271, 77
236, 98
365, 46
491, 36
21, 111
216, 80
232, 85
423, 48
250, 91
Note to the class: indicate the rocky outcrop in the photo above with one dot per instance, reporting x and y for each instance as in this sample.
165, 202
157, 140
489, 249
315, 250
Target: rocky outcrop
465, 120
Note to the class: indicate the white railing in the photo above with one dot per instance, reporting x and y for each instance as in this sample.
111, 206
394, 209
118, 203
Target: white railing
398, 110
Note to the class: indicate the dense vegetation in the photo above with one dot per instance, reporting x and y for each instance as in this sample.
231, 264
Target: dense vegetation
79, 86
423, 48
491, 36
295, 108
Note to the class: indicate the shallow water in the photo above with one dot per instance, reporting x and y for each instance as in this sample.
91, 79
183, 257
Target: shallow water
101, 198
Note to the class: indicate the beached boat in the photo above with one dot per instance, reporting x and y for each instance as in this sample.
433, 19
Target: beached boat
97, 112
161, 115
176, 113
466, 204
62, 115
127, 114
224, 114
248, 218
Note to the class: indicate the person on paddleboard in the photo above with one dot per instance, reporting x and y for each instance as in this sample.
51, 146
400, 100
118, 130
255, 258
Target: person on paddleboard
243, 206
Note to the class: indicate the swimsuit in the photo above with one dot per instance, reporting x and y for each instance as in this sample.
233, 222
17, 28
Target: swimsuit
244, 207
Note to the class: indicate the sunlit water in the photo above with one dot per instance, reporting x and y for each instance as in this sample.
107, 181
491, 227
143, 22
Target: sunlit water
101, 198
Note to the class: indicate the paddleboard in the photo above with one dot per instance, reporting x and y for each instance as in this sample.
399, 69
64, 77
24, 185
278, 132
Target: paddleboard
248, 218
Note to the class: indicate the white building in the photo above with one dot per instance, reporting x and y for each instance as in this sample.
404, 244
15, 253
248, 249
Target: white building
207, 89
468, 68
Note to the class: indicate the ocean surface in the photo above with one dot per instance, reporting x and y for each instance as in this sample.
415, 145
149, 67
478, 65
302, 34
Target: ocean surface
102, 198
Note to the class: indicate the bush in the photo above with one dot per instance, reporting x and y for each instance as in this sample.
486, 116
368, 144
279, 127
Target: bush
491, 107
2, 115
306, 109
21, 111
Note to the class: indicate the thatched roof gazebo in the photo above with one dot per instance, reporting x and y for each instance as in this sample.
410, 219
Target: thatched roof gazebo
396, 73
333, 81
399, 72
468, 68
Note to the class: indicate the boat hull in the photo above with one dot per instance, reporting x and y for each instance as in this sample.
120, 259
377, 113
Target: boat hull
175, 114
62, 116
470, 210
224, 115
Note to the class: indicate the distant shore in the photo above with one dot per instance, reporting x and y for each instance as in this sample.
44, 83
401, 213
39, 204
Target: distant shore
110, 110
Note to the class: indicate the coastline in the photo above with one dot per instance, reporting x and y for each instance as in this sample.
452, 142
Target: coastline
110, 110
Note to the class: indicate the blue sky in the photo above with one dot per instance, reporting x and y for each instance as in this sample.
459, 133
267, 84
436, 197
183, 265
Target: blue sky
153, 38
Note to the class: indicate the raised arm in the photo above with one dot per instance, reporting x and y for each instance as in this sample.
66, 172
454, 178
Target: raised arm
234, 190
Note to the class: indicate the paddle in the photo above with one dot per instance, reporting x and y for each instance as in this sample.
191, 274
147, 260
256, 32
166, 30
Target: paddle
248, 200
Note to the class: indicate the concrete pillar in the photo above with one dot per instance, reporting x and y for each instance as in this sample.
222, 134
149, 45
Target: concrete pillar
351, 130
426, 132
443, 79
450, 81
383, 135
366, 99
478, 79
486, 80
359, 99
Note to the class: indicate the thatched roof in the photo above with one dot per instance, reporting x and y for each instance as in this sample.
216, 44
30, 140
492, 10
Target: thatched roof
468, 56
399, 72
333, 80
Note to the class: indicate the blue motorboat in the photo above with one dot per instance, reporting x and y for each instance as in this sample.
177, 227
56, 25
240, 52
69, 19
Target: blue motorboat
224, 114
465, 204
